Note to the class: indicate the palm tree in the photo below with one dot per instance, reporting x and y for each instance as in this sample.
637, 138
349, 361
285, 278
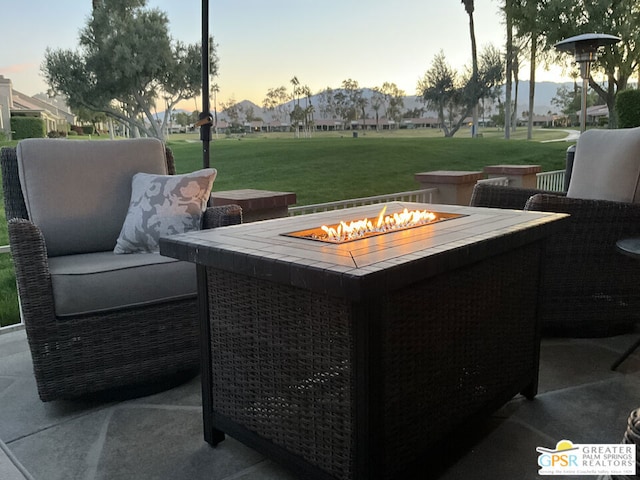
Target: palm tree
509, 68
516, 53
215, 89
295, 114
469, 8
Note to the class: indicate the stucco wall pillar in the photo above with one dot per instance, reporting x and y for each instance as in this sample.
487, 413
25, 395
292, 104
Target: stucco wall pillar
521, 176
454, 187
6, 101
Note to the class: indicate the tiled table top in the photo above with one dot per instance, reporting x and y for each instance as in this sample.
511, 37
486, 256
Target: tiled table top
393, 259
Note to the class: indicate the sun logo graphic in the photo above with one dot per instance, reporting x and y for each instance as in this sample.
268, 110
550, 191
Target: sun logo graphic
563, 456
587, 459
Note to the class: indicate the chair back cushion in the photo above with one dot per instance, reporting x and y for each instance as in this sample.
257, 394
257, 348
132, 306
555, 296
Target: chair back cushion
77, 192
607, 166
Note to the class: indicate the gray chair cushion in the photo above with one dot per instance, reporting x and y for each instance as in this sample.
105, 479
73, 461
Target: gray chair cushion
607, 166
95, 282
84, 208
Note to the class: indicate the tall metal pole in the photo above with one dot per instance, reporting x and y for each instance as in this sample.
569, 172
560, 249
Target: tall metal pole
205, 116
585, 71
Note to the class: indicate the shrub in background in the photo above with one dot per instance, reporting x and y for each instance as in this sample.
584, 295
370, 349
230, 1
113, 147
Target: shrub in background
27, 127
57, 134
628, 108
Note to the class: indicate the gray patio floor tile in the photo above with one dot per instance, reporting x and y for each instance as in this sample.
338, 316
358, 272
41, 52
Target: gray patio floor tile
159, 436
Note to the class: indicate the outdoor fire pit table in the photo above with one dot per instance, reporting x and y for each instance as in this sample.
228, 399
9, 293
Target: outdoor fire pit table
353, 359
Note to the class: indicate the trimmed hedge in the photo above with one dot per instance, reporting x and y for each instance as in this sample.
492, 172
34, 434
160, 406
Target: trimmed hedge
628, 108
83, 129
27, 127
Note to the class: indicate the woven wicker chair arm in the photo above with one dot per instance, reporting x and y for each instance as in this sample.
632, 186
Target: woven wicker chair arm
32, 272
171, 163
13, 201
595, 223
498, 196
222, 216
584, 208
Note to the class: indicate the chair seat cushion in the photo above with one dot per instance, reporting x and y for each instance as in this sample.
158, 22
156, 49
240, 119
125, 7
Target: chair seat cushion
103, 281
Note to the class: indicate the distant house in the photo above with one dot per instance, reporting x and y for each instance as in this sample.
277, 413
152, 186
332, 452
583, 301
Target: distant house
328, 125
542, 120
423, 122
595, 114
16, 104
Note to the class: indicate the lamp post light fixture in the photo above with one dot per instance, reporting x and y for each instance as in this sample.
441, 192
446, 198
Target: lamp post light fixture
585, 50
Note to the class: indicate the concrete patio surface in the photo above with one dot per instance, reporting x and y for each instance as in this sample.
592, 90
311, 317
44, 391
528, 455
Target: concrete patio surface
159, 436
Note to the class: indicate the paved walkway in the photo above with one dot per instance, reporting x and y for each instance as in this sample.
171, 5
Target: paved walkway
572, 136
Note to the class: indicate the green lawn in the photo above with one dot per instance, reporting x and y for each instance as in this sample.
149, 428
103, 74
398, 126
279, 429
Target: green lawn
326, 168
9, 312
333, 166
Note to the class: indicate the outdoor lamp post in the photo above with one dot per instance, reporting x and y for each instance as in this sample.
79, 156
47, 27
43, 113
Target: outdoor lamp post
205, 119
585, 50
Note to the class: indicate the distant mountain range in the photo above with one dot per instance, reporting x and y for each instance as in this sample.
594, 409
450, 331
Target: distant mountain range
544, 93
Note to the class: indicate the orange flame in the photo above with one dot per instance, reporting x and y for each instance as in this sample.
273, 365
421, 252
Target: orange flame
385, 223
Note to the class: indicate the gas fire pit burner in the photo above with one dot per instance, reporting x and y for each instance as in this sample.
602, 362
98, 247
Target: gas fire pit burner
349, 231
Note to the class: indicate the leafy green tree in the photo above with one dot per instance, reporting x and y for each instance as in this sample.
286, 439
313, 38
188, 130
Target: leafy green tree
327, 103
628, 108
125, 63
533, 20
413, 113
342, 107
490, 73
617, 62
351, 100
568, 101
275, 101
377, 101
361, 106
499, 118
233, 111
89, 116
297, 116
250, 114
393, 101
390, 98
183, 119
442, 89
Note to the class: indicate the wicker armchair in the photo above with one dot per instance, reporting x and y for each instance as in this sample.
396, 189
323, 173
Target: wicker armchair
589, 289
95, 351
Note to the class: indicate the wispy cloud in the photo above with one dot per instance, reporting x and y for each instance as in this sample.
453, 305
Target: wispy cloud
17, 68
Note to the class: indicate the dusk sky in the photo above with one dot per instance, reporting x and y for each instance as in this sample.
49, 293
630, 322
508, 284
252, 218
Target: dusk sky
263, 44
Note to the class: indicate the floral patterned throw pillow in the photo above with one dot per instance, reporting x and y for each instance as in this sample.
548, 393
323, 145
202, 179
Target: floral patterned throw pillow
163, 205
